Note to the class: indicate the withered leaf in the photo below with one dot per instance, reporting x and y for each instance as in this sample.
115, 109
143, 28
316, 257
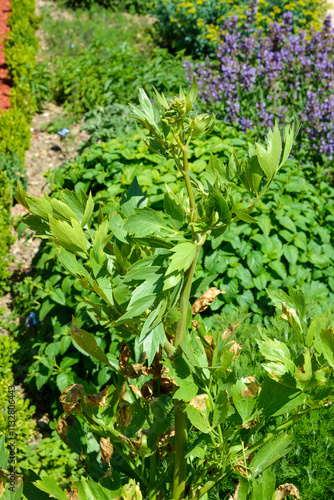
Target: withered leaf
205, 300
124, 355
70, 398
251, 389
132, 442
107, 450
286, 489
125, 415
62, 427
199, 402
134, 370
73, 494
235, 348
97, 399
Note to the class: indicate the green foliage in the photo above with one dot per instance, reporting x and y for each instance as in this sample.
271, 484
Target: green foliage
13, 167
291, 244
24, 425
20, 52
132, 6
139, 264
195, 25
102, 75
6, 237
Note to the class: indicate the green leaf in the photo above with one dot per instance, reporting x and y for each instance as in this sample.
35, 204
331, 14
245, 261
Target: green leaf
279, 268
21, 196
133, 198
197, 419
153, 333
274, 350
290, 252
146, 221
243, 402
69, 261
137, 307
49, 485
193, 93
221, 206
182, 258
269, 454
88, 343
264, 488
291, 132
241, 214
276, 399
70, 237
87, 217
255, 262
220, 409
175, 211
269, 156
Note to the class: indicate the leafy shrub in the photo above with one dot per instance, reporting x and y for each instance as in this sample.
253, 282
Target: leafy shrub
140, 264
13, 166
6, 237
109, 122
292, 245
196, 25
132, 6
101, 75
24, 427
259, 77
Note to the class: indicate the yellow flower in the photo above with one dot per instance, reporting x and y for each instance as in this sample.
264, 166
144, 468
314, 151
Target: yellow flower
192, 11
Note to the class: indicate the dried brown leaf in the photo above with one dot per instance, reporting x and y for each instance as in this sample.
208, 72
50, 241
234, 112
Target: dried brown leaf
205, 300
251, 389
286, 489
70, 398
97, 399
124, 355
125, 415
107, 450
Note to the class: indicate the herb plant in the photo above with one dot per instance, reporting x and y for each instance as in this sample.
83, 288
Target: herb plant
257, 77
177, 419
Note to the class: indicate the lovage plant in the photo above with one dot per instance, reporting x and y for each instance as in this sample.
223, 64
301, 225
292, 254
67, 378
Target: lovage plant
175, 420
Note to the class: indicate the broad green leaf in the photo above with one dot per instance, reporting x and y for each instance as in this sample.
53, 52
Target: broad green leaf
291, 132
306, 375
243, 402
198, 419
270, 453
137, 307
146, 221
276, 399
49, 485
88, 343
269, 156
175, 211
221, 407
182, 258
70, 237
290, 252
242, 215
61, 210
70, 262
133, 198
221, 206
274, 350
264, 488
279, 268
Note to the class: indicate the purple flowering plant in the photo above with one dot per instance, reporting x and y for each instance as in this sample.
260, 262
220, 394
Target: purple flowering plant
259, 77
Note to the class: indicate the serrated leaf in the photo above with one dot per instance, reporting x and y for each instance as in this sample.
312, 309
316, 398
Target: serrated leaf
87, 216
182, 258
220, 409
71, 237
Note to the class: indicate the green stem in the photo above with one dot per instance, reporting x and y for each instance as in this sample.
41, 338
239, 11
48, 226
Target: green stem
181, 325
152, 493
180, 463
